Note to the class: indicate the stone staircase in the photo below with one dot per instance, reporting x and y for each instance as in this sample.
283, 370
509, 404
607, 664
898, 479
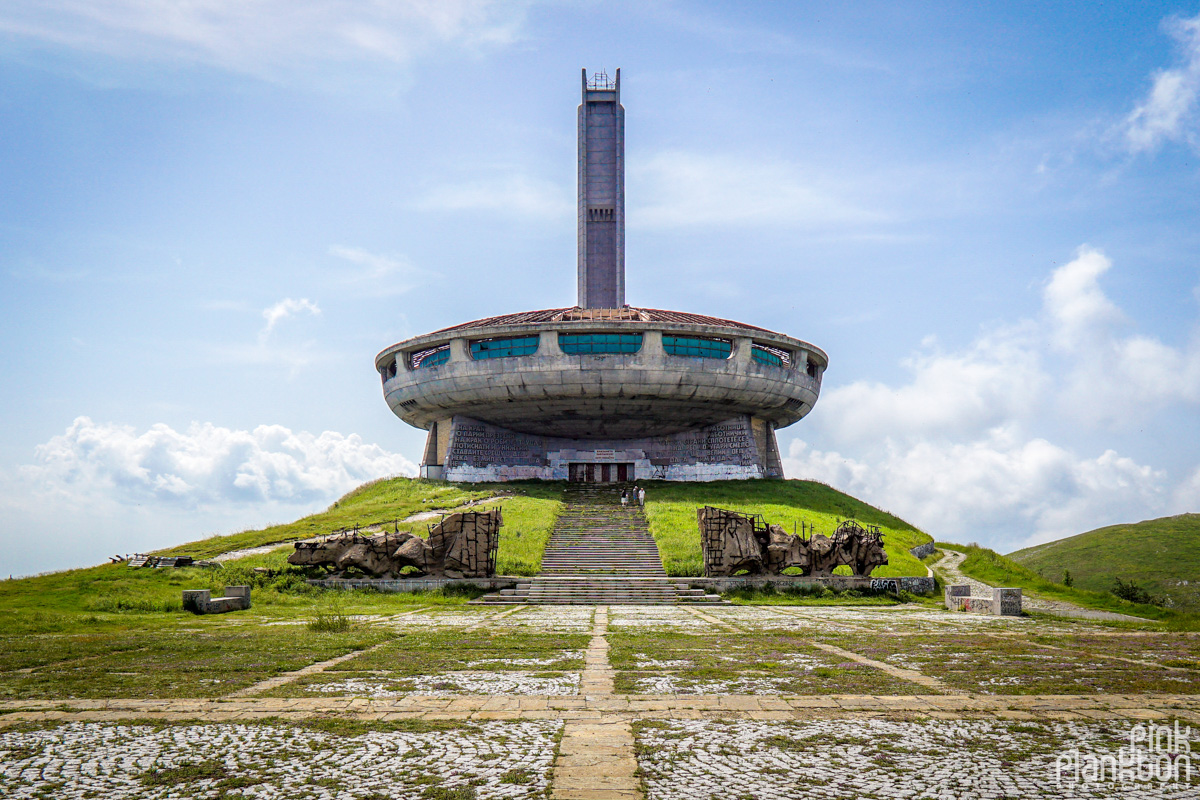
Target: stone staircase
600, 552
597, 536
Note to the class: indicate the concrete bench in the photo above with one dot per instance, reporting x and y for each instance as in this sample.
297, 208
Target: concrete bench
201, 601
1004, 602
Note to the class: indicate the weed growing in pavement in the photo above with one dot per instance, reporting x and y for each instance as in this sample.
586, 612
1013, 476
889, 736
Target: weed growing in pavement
184, 773
332, 619
519, 777
442, 793
331, 623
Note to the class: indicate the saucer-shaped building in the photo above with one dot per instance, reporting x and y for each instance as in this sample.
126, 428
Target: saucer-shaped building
601, 392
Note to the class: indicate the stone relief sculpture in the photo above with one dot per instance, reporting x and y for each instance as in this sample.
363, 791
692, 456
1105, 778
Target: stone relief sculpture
462, 545
860, 548
734, 542
729, 543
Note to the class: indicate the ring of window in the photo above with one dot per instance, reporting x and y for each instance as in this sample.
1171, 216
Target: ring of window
599, 343
507, 347
697, 347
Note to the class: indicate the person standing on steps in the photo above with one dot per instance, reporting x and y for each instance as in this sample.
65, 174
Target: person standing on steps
641, 496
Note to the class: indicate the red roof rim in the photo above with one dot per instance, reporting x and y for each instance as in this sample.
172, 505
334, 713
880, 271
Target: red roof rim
654, 314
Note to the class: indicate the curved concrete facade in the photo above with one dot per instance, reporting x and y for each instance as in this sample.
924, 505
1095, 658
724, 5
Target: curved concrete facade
608, 397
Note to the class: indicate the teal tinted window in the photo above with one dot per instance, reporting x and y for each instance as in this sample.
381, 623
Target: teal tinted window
764, 356
593, 343
504, 348
696, 347
431, 358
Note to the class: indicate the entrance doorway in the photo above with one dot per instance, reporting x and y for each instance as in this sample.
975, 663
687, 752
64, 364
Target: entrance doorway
600, 473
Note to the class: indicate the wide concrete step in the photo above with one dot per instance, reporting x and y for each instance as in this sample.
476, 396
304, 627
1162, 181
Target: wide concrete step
599, 591
629, 559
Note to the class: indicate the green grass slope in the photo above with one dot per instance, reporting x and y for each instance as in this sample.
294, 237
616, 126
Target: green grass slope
671, 508
111, 608
1160, 555
530, 508
986, 565
115, 594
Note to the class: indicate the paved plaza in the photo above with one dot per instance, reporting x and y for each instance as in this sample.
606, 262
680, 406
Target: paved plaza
637, 702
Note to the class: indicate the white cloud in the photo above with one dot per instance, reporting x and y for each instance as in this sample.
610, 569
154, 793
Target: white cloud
377, 266
1168, 112
951, 395
203, 467
261, 36
951, 449
1076, 304
381, 275
1110, 377
1186, 497
102, 488
1001, 488
684, 189
285, 308
512, 194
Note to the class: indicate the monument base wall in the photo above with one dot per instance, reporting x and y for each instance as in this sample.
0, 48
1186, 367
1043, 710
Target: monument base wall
915, 585
736, 449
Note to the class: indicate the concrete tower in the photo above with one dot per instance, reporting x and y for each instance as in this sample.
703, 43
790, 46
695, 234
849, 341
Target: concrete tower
601, 392
601, 193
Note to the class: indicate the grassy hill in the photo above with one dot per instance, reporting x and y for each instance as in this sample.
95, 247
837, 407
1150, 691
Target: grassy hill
114, 594
530, 508
671, 509
1160, 555
988, 566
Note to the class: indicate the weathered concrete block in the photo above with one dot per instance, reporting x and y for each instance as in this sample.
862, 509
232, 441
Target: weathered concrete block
201, 601
977, 605
1006, 602
922, 550
1003, 602
196, 600
954, 593
239, 592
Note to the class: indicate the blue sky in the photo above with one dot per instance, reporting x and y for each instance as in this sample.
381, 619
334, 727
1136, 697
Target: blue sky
213, 215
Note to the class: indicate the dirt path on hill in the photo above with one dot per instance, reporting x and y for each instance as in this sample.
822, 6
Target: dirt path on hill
949, 569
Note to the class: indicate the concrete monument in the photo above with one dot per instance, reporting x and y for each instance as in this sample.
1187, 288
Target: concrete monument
461, 545
733, 543
602, 391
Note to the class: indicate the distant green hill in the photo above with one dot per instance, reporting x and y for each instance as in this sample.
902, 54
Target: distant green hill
1160, 555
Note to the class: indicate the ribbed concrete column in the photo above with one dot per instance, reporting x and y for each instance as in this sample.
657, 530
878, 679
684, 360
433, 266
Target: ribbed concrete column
548, 344
741, 349
652, 344
458, 350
